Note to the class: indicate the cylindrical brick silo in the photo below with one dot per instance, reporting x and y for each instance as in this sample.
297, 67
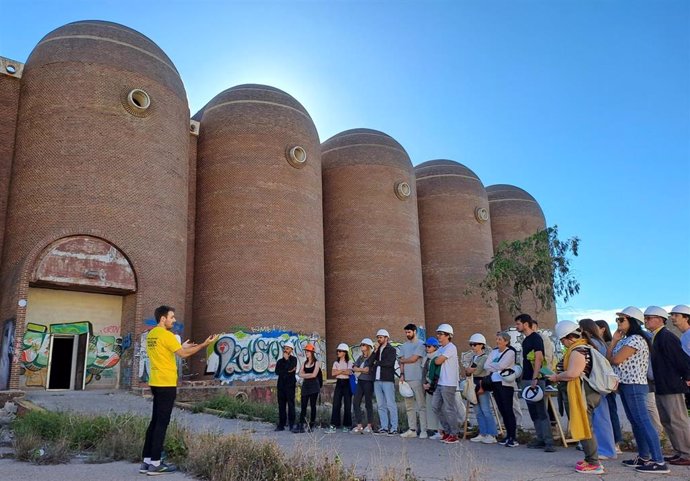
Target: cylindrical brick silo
515, 215
455, 235
259, 229
101, 149
371, 238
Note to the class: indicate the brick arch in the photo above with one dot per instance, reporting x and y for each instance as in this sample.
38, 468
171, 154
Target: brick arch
84, 262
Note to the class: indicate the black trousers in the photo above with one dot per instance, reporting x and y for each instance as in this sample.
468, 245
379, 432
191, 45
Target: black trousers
286, 406
504, 400
366, 389
342, 395
311, 399
163, 402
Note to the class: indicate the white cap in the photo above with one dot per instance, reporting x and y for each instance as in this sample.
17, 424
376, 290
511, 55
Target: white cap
367, 341
382, 332
343, 347
632, 311
447, 328
532, 394
290, 345
478, 338
681, 309
564, 328
656, 311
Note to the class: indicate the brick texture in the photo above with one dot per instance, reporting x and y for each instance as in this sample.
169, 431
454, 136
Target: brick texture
9, 103
371, 239
259, 230
515, 214
84, 165
456, 247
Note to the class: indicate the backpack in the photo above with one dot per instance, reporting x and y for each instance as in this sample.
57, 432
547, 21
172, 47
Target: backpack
602, 378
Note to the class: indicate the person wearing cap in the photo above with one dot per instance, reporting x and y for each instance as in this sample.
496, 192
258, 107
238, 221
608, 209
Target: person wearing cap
582, 399
365, 387
485, 417
342, 396
430, 374
286, 368
444, 402
532, 362
410, 361
680, 316
671, 369
311, 386
628, 353
384, 384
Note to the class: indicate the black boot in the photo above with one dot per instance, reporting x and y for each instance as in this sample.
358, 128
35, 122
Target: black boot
298, 429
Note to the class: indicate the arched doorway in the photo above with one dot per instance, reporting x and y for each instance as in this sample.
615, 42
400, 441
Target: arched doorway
72, 336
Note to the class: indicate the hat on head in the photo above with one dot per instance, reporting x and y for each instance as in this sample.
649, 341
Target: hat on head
681, 309
632, 311
290, 345
310, 347
477, 338
367, 342
342, 347
656, 311
382, 332
447, 328
432, 341
564, 328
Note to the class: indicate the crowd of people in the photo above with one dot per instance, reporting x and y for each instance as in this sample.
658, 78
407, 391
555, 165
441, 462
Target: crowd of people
649, 368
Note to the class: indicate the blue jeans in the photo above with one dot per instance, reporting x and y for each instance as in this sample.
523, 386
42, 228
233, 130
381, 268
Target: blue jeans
603, 430
634, 397
485, 418
385, 403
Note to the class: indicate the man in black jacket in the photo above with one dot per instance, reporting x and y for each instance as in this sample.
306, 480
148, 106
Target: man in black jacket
671, 369
384, 383
286, 367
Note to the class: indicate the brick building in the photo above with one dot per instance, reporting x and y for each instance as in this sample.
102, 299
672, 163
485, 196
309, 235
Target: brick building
114, 201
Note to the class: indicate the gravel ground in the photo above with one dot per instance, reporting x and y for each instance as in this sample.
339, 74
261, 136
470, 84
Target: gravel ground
372, 455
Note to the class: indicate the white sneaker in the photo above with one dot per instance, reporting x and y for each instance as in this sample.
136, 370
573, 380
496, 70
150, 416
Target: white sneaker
409, 434
436, 436
423, 435
488, 439
367, 430
479, 438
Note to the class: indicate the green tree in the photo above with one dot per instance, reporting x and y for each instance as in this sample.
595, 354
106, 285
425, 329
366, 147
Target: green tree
538, 265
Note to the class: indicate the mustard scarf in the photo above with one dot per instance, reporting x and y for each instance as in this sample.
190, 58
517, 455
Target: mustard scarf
579, 422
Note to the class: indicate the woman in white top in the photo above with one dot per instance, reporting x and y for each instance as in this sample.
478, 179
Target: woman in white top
341, 370
501, 358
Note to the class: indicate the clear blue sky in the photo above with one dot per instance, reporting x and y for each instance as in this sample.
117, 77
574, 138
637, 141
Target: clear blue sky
584, 104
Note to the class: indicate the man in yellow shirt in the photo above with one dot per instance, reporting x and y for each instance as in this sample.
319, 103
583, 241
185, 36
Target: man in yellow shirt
162, 346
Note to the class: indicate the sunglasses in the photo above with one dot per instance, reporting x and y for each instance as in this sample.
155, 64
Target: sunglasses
621, 319
472, 344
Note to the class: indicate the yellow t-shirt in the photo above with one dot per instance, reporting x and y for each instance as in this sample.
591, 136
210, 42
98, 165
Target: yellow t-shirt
161, 345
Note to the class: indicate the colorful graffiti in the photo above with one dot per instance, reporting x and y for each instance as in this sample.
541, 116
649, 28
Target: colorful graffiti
6, 352
104, 351
252, 356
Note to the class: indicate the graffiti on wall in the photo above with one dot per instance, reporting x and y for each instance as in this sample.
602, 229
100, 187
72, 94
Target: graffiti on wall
104, 352
6, 352
252, 356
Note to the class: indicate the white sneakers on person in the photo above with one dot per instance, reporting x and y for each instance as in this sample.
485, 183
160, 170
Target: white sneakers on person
409, 434
423, 435
436, 436
488, 439
479, 438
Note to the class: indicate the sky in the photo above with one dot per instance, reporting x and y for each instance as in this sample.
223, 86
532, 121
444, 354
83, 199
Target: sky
584, 104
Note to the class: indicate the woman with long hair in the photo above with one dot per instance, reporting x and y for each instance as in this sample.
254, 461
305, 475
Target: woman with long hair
611, 398
501, 358
365, 387
582, 399
342, 396
601, 417
629, 355
311, 385
485, 417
